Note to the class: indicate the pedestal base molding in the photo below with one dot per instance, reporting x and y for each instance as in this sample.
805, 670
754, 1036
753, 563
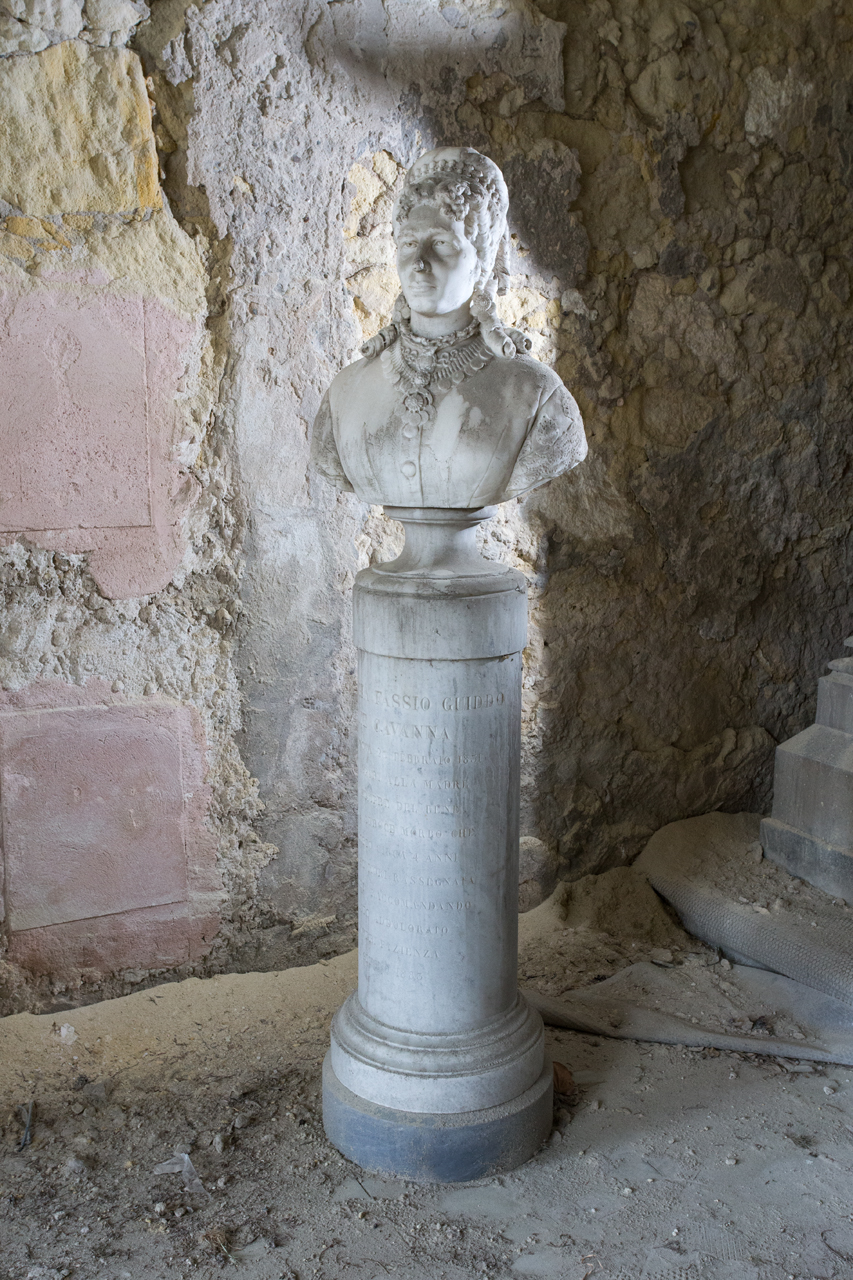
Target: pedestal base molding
425, 1147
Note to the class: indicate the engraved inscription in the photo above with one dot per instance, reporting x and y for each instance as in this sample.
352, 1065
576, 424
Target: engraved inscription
428, 882
473, 702
433, 748
379, 802
402, 806
401, 701
427, 732
409, 758
414, 780
396, 948
426, 904
456, 702
401, 926
419, 833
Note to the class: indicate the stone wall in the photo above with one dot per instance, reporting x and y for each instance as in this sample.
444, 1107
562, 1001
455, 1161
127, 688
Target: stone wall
128, 850
680, 186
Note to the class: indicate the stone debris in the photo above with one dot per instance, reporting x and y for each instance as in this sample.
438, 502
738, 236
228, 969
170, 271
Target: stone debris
182, 1164
563, 1079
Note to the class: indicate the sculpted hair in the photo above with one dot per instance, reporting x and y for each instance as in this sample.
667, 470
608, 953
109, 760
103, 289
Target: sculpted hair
468, 187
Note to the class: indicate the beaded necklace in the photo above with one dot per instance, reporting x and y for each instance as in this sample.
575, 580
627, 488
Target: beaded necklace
415, 363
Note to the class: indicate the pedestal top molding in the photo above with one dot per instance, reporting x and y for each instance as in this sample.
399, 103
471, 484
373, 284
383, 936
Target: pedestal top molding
437, 1068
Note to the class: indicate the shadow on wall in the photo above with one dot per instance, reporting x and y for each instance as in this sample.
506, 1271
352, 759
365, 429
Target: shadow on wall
698, 569
685, 222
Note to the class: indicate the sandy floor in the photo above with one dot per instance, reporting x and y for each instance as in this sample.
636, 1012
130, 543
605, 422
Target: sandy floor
666, 1164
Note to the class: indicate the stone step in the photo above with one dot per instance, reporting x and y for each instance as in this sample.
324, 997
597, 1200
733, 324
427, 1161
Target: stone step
835, 701
841, 664
822, 864
813, 785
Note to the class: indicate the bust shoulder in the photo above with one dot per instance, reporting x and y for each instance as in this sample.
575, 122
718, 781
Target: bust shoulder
532, 372
351, 375
522, 379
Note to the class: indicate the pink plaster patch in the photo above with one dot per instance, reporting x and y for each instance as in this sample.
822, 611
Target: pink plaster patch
88, 427
73, 428
107, 861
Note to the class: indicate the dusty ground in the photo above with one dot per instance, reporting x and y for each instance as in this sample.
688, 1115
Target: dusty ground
666, 1164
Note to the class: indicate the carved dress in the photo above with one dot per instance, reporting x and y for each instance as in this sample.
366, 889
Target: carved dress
444, 423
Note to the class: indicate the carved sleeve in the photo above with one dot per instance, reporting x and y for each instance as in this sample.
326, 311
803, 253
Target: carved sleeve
324, 451
555, 443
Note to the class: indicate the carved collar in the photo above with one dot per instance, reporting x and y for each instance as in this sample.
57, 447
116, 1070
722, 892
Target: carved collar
416, 363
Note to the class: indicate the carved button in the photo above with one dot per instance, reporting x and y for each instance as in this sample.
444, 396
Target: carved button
410, 431
408, 469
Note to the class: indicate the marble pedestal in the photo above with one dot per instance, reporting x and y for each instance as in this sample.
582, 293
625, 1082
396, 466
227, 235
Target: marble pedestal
810, 832
437, 1069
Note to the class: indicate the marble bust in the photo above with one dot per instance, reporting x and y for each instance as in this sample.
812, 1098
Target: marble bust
446, 409
437, 1069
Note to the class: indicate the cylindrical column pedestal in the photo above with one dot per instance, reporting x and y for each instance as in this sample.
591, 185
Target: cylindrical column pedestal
437, 1068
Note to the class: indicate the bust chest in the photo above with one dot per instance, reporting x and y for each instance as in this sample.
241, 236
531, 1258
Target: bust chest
460, 455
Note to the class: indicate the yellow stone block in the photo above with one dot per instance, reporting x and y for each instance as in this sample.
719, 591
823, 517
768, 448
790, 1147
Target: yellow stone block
49, 236
60, 240
368, 189
14, 247
78, 221
75, 132
30, 227
387, 168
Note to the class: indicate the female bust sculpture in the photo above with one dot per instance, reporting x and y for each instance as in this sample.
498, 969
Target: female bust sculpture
446, 409
437, 1066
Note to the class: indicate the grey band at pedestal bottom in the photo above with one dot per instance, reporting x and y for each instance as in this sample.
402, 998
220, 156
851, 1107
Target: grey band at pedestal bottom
460, 1147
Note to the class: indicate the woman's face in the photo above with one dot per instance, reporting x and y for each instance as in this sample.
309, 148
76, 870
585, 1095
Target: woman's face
438, 266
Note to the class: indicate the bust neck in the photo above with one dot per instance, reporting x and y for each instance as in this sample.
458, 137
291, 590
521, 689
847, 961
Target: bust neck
441, 326
413, 342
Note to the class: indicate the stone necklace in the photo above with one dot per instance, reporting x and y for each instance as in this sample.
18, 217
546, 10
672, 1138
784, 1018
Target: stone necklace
414, 363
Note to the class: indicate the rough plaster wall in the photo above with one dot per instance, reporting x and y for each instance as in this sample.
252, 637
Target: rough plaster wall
699, 571
28, 26
142, 617
680, 202
680, 199
285, 100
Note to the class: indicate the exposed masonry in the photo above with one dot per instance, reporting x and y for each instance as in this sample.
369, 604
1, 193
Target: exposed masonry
680, 185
